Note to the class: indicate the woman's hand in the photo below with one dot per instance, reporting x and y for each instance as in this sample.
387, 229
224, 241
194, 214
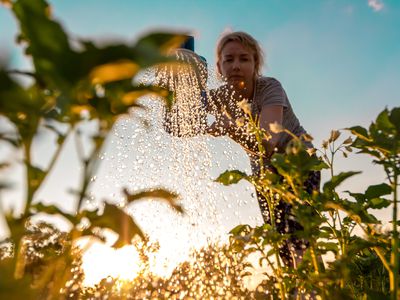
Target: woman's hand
222, 126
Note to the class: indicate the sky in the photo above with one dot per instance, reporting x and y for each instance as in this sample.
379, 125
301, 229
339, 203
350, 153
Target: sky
338, 60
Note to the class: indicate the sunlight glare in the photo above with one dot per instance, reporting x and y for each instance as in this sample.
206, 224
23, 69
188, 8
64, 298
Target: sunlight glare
101, 261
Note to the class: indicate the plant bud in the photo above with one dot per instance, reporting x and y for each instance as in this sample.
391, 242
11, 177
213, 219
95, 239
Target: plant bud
334, 135
348, 141
276, 127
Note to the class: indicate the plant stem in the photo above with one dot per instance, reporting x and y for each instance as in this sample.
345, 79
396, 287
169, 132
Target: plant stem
314, 260
56, 155
394, 258
260, 248
382, 258
90, 167
278, 271
29, 188
339, 237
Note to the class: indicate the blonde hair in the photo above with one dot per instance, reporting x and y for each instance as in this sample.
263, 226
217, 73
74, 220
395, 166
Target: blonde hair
246, 40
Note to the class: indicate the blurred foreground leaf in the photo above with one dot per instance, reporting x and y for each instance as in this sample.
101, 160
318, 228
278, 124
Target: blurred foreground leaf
162, 194
231, 177
120, 222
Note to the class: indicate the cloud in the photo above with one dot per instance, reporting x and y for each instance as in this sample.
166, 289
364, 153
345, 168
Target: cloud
376, 5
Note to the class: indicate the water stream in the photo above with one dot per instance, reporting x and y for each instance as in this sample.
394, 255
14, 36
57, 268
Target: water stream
156, 147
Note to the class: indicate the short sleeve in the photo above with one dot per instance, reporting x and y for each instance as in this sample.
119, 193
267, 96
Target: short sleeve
272, 93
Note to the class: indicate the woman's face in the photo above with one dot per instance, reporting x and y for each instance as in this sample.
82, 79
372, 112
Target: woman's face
237, 65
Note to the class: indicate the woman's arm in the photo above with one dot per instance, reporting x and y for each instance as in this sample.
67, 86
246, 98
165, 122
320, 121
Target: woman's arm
223, 125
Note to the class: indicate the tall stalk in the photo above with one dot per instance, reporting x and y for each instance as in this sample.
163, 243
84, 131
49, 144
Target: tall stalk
90, 165
394, 258
29, 187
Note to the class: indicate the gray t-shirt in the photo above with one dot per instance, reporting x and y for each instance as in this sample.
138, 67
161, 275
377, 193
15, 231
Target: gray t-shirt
269, 92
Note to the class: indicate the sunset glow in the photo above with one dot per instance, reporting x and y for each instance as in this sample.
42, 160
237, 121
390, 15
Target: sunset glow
102, 261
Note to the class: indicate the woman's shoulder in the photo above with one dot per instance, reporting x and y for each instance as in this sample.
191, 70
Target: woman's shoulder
269, 91
264, 82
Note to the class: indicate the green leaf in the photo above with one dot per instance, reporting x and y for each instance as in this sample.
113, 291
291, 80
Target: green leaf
360, 198
373, 153
382, 121
355, 211
47, 42
378, 203
318, 164
231, 177
358, 244
375, 191
117, 220
36, 176
150, 50
394, 117
162, 194
271, 252
337, 180
161, 40
13, 98
328, 246
239, 229
360, 132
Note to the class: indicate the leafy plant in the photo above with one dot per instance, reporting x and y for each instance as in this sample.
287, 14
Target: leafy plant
70, 85
328, 219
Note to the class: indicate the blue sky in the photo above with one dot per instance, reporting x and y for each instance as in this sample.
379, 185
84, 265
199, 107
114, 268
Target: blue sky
339, 60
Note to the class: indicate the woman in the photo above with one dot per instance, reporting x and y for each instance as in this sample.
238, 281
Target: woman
239, 62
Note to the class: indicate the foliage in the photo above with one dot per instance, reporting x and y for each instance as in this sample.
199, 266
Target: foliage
71, 83
362, 265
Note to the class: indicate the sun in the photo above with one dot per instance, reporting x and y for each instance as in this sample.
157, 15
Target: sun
100, 261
